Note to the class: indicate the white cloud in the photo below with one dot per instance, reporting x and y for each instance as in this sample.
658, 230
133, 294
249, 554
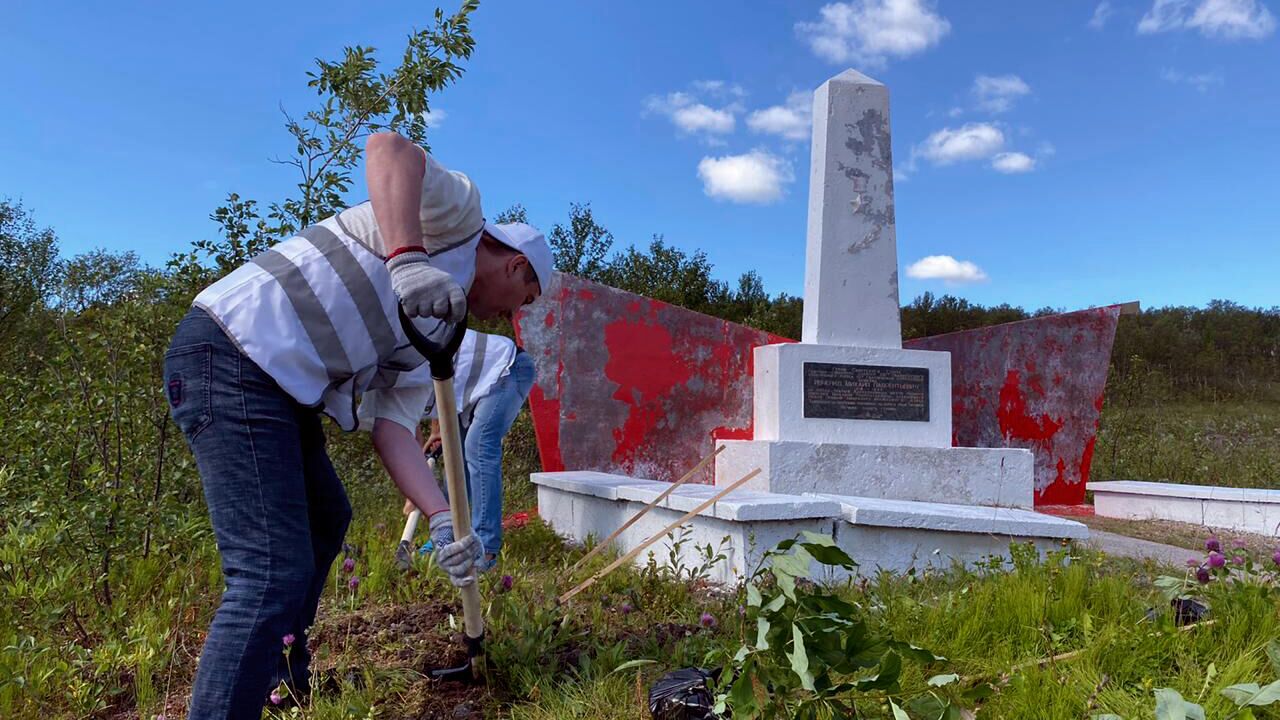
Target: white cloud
973, 141
869, 32
1100, 15
1200, 81
791, 121
757, 177
1013, 163
947, 268
996, 94
700, 118
693, 117
719, 88
1221, 19
434, 118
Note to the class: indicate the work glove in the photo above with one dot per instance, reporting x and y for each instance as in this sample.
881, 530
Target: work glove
426, 291
456, 557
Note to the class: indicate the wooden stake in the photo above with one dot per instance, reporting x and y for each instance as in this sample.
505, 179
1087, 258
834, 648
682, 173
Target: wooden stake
1069, 655
687, 476
656, 536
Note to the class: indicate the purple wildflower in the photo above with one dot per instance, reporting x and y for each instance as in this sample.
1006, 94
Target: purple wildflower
349, 565
288, 639
275, 697
1217, 560
707, 620
1276, 558
625, 608
1237, 560
1193, 562
354, 582
1213, 544
1203, 576
1239, 543
507, 582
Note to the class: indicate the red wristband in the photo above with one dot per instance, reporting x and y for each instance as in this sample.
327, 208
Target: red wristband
405, 249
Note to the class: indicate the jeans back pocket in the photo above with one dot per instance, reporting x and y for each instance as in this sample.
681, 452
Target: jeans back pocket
188, 374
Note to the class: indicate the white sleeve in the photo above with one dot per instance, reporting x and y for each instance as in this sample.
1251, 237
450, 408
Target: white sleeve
450, 210
401, 405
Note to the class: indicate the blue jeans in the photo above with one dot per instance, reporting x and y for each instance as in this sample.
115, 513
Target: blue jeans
279, 514
491, 418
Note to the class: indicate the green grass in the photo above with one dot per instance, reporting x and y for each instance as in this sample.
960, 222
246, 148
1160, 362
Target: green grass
1235, 444
64, 654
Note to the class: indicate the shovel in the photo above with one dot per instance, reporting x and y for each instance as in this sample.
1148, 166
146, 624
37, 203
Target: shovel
440, 359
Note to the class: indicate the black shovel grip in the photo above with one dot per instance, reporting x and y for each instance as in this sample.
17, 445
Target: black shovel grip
439, 356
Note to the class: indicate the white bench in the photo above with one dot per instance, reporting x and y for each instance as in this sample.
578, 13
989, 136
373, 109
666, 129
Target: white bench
1250, 510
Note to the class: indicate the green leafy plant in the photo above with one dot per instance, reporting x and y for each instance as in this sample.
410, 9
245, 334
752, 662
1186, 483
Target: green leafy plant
813, 656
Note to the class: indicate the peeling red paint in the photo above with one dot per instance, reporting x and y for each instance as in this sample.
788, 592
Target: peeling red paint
991, 411
1015, 423
1086, 458
730, 433
632, 385
546, 429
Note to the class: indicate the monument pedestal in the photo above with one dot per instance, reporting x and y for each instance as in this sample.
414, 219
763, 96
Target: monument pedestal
855, 395
997, 477
852, 433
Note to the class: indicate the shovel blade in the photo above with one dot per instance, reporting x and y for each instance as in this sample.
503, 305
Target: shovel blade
471, 671
404, 555
461, 674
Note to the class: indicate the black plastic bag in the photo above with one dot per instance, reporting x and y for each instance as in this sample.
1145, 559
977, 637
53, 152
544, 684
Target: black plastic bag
684, 694
1186, 611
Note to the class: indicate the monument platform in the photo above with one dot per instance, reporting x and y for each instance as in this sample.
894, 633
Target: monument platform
878, 533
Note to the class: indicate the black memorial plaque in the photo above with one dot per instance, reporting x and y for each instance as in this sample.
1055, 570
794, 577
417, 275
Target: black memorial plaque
866, 392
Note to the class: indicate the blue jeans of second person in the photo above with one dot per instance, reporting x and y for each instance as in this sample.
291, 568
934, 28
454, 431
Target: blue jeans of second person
279, 515
490, 420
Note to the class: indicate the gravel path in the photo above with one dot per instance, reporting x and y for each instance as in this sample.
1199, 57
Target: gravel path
1124, 546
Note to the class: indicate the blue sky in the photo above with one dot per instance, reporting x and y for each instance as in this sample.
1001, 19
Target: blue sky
1068, 154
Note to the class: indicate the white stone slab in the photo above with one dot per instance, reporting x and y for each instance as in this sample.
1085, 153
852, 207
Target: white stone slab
586, 482
779, 401
1251, 510
1203, 492
851, 255
1008, 522
970, 476
741, 504
898, 550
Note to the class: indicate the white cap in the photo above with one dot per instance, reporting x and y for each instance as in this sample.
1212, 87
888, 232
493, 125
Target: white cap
528, 241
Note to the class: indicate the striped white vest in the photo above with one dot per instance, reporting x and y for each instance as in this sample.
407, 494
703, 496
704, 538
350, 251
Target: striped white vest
317, 313
482, 361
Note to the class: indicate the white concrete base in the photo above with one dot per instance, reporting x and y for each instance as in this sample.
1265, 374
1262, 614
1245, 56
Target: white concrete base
879, 534
1244, 509
779, 386
968, 476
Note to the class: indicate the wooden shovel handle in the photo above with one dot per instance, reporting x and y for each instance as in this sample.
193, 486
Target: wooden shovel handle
456, 480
